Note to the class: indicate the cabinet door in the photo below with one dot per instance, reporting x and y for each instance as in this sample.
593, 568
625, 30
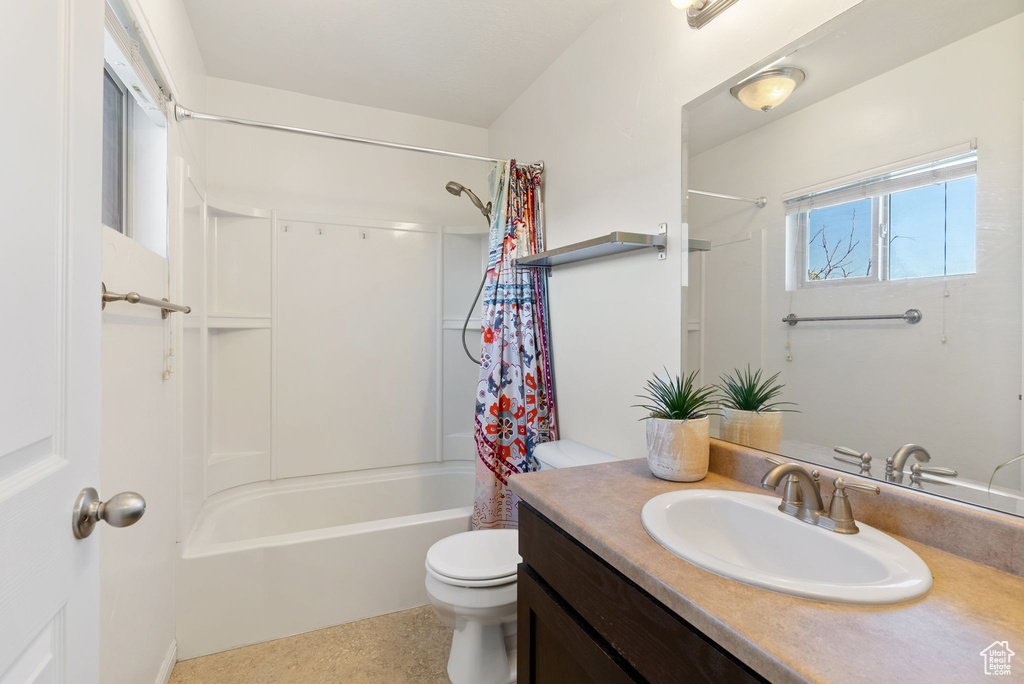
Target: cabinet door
655, 642
556, 647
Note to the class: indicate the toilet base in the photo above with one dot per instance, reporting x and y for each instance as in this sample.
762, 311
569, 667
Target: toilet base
483, 620
479, 655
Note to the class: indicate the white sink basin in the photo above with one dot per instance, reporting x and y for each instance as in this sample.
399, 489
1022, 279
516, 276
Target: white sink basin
745, 537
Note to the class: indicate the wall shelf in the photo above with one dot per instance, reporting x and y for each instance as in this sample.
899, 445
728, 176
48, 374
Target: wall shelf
227, 321
616, 242
699, 246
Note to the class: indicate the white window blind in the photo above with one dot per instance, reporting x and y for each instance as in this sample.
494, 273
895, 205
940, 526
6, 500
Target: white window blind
944, 170
124, 57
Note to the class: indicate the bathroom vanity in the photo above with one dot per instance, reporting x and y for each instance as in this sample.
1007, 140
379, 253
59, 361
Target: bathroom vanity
573, 606
601, 601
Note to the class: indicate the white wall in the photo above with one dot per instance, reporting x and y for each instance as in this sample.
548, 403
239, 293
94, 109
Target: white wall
875, 386
141, 411
290, 172
606, 118
138, 454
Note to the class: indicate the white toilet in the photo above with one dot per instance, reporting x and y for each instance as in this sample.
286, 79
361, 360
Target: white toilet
471, 582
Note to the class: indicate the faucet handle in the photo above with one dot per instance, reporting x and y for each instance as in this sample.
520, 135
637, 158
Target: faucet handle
839, 509
773, 460
855, 458
841, 484
917, 471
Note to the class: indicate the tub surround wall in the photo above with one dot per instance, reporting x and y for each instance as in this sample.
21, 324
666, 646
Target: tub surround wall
357, 333
786, 639
334, 280
320, 344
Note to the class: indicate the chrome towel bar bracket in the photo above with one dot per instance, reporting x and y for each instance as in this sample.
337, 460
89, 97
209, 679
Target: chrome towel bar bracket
166, 307
910, 316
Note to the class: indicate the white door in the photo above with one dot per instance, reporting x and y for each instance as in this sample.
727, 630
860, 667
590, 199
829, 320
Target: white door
50, 132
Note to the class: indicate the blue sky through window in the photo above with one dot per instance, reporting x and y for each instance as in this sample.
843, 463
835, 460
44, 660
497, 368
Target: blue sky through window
839, 241
932, 230
931, 233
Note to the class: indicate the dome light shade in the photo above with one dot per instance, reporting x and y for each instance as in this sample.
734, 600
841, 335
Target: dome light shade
768, 89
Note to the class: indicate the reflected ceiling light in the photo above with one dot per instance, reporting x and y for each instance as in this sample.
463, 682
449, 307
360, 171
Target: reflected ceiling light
768, 89
700, 12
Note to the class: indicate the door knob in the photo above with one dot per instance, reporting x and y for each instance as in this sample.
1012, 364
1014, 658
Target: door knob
121, 510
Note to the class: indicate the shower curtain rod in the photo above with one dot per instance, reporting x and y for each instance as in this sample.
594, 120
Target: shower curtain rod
183, 114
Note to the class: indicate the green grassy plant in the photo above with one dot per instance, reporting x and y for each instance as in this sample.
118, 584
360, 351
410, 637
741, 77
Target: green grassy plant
677, 399
744, 390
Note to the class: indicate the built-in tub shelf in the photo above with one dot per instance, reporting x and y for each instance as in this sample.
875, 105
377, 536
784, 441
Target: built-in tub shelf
237, 321
616, 242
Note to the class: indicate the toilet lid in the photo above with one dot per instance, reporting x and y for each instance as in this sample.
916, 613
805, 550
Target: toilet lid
478, 555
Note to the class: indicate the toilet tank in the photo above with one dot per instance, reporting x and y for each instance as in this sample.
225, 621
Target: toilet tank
563, 453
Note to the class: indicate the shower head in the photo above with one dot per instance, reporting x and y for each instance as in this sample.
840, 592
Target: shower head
458, 188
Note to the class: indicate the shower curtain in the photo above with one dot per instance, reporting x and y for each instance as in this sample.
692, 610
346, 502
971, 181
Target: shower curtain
515, 402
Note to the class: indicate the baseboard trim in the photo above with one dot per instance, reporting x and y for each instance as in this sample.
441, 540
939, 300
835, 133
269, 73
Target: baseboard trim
164, 675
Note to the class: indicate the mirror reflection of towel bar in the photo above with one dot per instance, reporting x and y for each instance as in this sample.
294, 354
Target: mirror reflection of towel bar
166, 308
910, 316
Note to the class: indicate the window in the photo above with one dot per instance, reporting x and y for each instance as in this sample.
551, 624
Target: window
134, 167
116, 114
917, 222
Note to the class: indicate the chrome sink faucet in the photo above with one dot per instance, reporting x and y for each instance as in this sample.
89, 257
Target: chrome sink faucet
894, 464
811, 509
802, 497
919, 474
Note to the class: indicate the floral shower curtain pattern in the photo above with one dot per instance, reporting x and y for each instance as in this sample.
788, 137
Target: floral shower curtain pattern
515, 402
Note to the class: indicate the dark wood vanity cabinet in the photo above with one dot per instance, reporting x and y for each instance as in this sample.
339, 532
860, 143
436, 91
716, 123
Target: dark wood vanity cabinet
580, 620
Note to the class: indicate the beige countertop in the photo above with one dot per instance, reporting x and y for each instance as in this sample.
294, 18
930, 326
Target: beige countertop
937, 638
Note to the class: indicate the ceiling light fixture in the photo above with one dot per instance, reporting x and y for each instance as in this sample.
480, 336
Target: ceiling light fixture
768, 89
700, 12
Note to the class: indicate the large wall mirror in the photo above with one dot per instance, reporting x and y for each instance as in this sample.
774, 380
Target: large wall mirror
893, 181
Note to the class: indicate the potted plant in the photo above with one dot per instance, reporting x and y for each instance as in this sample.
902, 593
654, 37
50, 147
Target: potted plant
1000, 467
750, 414
678, 438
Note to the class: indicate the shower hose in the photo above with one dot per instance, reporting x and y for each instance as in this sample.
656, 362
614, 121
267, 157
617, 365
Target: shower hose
472, 308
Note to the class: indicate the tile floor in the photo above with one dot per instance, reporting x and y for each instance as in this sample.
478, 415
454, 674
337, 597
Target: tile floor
409, 647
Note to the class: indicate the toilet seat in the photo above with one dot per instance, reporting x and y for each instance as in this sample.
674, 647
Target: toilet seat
456, 582
482, 558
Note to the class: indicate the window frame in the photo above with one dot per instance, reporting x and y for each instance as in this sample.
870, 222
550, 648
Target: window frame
803, 228
125, 182
798, 226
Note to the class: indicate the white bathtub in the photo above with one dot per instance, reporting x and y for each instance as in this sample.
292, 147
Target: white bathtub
272, 559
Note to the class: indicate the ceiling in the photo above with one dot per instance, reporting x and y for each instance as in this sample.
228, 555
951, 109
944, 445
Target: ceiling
460, 60
870, 39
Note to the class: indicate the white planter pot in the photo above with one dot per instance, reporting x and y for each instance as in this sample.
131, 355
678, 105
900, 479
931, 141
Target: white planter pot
678, 449
755, 429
